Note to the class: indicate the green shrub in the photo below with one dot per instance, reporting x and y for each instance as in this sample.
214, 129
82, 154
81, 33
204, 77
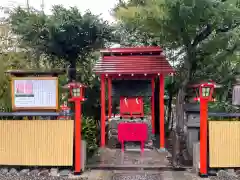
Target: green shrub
89, 134
223, 107
147, 106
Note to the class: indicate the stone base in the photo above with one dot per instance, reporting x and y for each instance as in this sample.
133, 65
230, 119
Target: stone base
162, 150
196, 157
134, 149
203, 175
113, 132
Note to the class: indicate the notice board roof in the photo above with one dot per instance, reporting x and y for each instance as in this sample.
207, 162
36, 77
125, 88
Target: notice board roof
26, 73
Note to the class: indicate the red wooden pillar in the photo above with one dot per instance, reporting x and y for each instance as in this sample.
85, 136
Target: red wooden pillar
103, 116
109, 98
203, 136
161, 110
152, 101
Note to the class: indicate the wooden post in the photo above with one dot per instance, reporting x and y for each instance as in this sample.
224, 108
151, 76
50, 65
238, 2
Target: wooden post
152, 109
103, 116
161, 111
203, 136
109, 98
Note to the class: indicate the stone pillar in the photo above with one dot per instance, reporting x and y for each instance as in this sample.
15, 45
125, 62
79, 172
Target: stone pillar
236, 92
196, 157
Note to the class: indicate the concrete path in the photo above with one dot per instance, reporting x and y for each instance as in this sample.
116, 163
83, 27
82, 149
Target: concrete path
93, 175
115, 159
155, 175
139, 175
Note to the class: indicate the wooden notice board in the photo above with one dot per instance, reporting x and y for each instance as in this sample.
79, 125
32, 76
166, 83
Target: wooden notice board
34, 93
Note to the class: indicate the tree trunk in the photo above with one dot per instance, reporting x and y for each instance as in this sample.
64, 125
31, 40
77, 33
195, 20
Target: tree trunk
180, 109
179, 132
169, 111
72, 70
37, 60
186, 76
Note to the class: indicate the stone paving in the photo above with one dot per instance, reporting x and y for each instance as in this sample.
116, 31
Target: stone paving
138, 175
93, 175
116, 158
154, 175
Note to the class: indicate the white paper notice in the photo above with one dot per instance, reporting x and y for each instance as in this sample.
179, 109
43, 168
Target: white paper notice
35, 93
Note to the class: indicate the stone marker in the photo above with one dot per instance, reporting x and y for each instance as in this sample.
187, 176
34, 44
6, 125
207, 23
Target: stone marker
64, 172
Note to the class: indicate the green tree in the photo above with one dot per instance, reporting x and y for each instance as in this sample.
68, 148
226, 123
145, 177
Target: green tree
65, 35
10, 58
198, 30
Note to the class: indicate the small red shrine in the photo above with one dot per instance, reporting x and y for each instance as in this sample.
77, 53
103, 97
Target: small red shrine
129, 64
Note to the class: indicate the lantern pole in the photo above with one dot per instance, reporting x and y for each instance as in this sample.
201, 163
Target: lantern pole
203, 135
78, 138
205, 96
77, 98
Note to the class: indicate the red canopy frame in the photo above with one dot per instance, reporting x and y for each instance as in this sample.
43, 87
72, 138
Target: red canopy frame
132, 63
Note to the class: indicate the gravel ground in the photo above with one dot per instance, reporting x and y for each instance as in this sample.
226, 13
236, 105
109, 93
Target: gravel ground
30, 177
52, 174
26, 174
224, 175
12, 174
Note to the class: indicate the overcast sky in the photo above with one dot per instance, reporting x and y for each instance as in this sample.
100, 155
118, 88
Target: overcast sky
95, 6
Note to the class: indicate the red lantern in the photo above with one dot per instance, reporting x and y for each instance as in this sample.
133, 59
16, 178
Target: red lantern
76, 91
205, 91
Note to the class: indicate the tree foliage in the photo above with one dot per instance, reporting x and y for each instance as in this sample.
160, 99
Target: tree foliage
10, 58
193, 26
66, 34
205, 32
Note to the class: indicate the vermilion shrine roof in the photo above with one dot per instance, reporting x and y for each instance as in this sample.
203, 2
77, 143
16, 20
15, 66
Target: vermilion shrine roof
137, 60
